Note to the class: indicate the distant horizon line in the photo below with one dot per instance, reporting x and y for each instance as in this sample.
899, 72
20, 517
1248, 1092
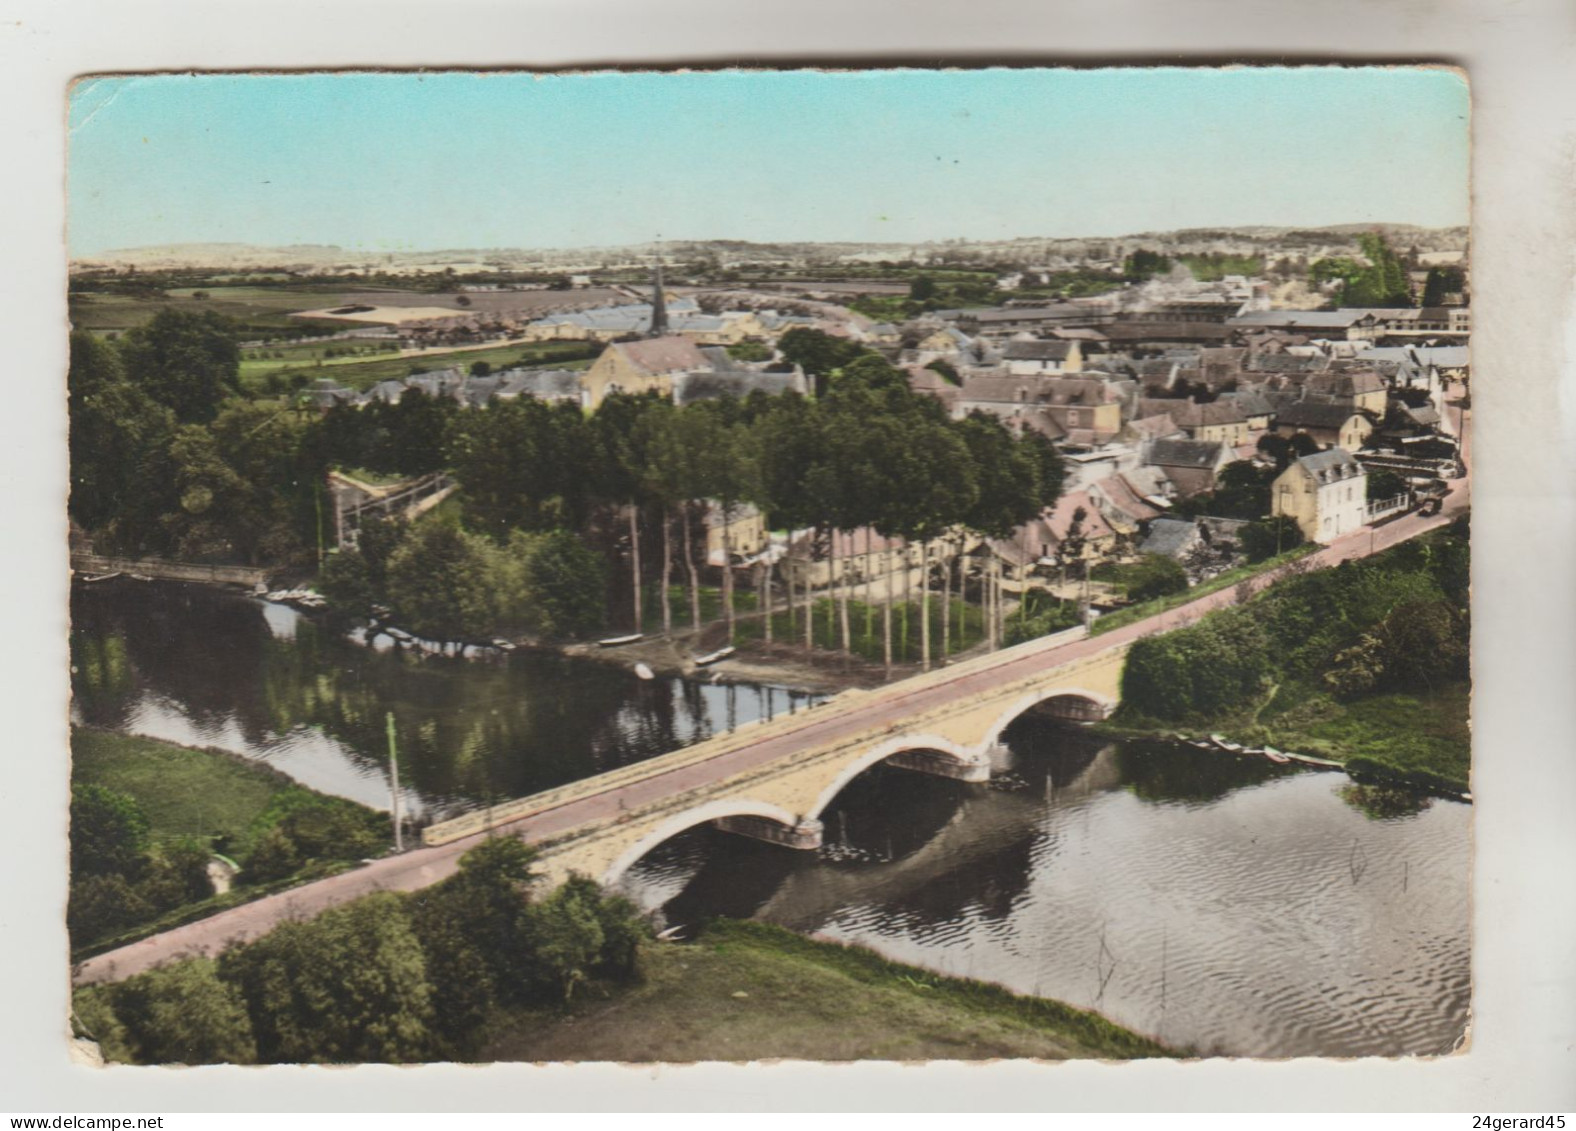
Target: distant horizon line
932, 242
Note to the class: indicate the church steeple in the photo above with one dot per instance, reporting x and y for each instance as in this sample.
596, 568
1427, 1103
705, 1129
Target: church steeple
659, 305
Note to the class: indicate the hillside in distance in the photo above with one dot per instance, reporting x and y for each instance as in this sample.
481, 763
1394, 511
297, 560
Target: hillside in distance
313, 258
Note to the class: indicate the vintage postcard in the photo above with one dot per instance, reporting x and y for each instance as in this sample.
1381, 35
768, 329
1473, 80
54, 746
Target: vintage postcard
787, 564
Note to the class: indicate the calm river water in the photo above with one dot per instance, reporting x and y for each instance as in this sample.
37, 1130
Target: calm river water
1222, 905
208, 668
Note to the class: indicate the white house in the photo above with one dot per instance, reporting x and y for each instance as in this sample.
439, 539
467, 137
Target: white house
1326, 493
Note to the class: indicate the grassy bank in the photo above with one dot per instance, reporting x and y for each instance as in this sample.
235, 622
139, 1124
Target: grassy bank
1422, 739
188, 792
747, 991
225, 804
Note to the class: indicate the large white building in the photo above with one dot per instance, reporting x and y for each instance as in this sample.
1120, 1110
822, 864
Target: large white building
1326, 493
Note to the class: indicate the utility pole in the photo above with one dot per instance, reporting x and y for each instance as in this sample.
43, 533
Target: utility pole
399, 838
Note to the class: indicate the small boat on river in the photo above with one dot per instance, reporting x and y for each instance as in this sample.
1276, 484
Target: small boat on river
644, 672
713, 657
89, 578
502, 645
620, 641
1226, 744
1275, 755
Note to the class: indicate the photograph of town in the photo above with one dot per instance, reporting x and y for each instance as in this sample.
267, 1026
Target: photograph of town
735, 565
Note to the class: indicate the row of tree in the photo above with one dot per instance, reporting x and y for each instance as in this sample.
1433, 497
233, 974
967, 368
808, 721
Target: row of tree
387, 978
868, 453
167, 460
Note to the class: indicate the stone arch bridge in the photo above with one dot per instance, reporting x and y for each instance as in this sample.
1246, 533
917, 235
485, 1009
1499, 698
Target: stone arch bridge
773, 780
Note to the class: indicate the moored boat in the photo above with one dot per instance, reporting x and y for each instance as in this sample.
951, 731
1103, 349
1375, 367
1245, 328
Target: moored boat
713, 657
619, 641
644, 672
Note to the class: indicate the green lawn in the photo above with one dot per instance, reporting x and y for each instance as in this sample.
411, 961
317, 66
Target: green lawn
187, 792
223, 799
184, 792
747, 991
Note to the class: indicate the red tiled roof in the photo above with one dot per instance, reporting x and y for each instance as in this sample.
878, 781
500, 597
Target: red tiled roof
1119, 493
664, 355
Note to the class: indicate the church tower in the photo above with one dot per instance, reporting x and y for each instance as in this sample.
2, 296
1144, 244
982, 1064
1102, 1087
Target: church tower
659, 305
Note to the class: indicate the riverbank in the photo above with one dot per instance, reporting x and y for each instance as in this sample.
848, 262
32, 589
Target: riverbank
747, 991
226, 804
1421, 740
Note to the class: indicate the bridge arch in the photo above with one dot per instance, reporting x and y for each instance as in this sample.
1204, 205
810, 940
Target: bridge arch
973, 764
702, 814
1086, 706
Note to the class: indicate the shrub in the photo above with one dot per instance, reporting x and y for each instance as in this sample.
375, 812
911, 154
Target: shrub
347, 987
183, 1014
108, 833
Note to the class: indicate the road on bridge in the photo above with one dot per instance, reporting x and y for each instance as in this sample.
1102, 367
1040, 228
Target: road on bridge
421, 867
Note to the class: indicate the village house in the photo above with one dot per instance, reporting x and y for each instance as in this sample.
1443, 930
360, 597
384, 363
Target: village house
1329, 425
1074, 530
1036, 357
1191, 465
651, 364
1084, 409
744, 533
1219, 421
1254, 407
1360, 389
864, 557
1123, 506
1325, 493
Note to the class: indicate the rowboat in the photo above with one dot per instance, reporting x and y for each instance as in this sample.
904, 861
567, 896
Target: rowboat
644, 672
619, 641
713, 657
502, 645
1275, 755
92, 577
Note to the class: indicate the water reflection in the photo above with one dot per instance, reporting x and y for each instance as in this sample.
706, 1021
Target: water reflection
206, 668
1223, 904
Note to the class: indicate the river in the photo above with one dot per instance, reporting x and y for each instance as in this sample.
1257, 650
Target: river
204, 667
1223, 905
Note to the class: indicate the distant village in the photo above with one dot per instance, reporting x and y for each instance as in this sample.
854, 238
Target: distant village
1151, 394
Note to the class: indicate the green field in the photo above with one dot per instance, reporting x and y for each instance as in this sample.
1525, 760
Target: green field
364, 372
260, 310
747, 991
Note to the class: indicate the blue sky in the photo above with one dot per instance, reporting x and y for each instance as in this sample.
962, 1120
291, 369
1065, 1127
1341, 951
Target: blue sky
382, 161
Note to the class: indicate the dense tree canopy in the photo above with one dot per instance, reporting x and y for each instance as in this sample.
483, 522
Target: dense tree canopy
186, 360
